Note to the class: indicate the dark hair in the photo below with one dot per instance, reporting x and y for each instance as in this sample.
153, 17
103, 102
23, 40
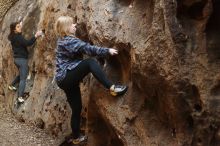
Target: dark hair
12, 30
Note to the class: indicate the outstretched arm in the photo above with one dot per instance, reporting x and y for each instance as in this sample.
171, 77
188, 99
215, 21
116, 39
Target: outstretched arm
91, 50
25, 42
30, 42
78, 46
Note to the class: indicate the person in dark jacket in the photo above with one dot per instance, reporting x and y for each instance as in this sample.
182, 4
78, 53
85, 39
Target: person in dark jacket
71, 68
20, 54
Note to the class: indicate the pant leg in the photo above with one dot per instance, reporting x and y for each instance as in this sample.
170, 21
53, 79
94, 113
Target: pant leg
23, 72
90, 66
75, 102
16, 80
74, 99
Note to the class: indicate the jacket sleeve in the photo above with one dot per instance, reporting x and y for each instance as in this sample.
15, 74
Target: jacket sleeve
22, 41
78, 46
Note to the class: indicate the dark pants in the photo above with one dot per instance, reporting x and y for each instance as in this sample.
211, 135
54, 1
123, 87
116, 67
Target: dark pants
22, 65
71, 87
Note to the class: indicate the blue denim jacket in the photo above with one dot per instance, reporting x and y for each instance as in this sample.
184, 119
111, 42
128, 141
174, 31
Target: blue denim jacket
69, 53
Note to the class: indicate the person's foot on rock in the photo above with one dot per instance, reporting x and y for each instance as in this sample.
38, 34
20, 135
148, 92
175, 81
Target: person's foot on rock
20, 99
12, 88
79, 140
117, 90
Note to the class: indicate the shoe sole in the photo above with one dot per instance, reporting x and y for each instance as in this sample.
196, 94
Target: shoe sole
21, 100
120, 93
79, 144
12, 89
82, 142
123, 92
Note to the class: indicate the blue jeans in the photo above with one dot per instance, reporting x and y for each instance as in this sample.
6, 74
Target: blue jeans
22, 65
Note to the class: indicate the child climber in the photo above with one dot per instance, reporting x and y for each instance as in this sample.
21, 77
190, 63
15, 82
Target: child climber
71, 68
20, 53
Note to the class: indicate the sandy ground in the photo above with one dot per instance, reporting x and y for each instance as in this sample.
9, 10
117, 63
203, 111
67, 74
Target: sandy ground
15, 133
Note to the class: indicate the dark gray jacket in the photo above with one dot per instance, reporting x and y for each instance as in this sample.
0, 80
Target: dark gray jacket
20, 44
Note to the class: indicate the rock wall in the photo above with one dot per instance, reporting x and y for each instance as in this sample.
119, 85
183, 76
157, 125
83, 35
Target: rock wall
168, 55
5, 6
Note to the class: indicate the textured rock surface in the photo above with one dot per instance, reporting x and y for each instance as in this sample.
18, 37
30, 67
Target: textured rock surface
5, 6
168, 56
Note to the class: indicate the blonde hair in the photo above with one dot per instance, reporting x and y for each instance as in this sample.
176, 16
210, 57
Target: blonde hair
62, 25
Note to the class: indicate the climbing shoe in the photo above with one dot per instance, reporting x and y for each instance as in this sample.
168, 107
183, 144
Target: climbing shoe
20, 99
117, 90
12, 88
80, 140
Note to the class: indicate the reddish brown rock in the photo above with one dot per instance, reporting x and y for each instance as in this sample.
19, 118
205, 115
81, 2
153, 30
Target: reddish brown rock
168, 55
